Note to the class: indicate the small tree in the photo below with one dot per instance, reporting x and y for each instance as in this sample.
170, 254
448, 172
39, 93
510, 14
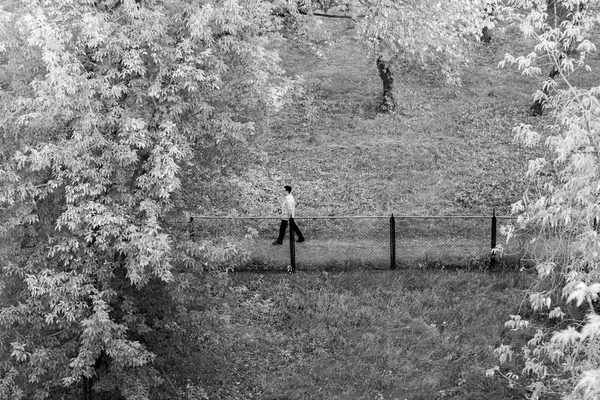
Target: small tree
562, 204
431, 33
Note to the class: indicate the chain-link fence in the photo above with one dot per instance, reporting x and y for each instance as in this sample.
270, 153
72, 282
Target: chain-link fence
375, 242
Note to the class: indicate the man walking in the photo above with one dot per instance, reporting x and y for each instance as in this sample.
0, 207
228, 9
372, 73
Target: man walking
288, 207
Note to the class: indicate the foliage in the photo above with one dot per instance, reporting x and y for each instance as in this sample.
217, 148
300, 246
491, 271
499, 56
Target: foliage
562, 204
428, 32
431, 34
117, 115
104, 105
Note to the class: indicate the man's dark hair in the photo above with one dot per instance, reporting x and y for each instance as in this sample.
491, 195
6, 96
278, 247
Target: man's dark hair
288, 188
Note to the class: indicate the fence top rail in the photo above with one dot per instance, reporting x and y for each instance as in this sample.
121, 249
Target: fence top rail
363, 217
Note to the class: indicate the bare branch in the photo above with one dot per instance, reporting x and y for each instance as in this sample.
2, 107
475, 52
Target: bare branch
318, 14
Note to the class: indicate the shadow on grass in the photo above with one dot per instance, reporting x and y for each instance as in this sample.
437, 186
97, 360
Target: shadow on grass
363, 254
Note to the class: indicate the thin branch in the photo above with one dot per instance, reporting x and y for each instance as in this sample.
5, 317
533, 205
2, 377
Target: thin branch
170, 383
318, 14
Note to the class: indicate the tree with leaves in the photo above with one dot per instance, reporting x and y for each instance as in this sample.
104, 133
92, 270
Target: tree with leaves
104, 107
436, 35
560, 18
562, 205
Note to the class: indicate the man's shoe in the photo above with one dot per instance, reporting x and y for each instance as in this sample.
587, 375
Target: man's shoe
277, 242
300, 240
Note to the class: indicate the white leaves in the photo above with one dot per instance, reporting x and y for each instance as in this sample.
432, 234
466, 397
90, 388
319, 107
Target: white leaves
590, 384
537, 339
110, 102
516, 323
517, 207
586, 46
526, 64
556, 313
94, 29
431, 31
583, 292
563, 200
566, 336
148, 251
524, 133
133, 63
545, 268
540, 301
536, 166
101, 333
591, 329
64, 292
571, 338
209, 21
504, 353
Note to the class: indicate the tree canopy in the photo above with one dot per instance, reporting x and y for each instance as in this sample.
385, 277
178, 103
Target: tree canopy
434, 34
104, 103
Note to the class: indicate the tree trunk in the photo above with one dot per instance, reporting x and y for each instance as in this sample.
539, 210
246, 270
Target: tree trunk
486, 36
388, 103
87, 389
537, 108
489, 11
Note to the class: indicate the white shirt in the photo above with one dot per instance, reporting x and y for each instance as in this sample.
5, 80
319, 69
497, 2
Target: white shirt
288, 207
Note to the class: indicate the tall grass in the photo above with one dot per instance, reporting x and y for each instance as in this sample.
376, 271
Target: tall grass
361, 335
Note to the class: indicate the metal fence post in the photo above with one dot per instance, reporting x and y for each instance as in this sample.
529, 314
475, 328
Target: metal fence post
493, 253
292, 246
392, 242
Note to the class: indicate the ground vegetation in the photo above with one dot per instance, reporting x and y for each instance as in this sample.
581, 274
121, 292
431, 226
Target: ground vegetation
118, 116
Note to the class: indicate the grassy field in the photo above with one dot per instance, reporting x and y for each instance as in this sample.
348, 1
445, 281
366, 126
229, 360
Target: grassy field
448, 150
414, 333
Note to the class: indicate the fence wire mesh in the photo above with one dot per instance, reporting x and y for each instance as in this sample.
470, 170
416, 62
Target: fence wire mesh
344, 243
362, 242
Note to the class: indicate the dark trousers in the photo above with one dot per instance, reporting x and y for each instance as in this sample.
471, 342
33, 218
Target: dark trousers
283, 227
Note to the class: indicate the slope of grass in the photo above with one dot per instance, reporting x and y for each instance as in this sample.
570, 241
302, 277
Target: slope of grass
447, 150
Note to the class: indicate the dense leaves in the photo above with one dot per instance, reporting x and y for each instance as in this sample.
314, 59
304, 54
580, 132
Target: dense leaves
103, 104
562, 203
